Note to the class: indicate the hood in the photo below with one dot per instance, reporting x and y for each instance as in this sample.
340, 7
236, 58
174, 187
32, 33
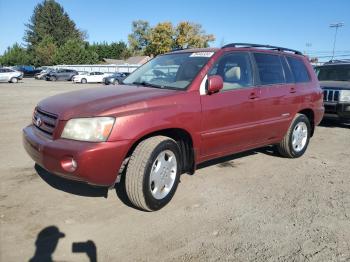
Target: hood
100, 100
335, 84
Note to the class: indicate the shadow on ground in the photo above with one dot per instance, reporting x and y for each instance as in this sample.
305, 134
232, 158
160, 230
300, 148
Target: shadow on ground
334, 123
73, 187
226, 160
47, 241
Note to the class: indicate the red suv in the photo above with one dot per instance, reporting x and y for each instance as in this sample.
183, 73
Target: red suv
176, 111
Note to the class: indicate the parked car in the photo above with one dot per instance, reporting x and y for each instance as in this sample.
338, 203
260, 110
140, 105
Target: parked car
10, 75
61, 74
92, 77
115, 79
28, 71
174, 112
334, 79
43, 73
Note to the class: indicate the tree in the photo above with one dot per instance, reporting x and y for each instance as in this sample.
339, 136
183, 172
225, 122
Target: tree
191, 35
15, 55
139, 38
45, 51
119, 50
115, 50
50, 19
164, 37
75, 52
161, 39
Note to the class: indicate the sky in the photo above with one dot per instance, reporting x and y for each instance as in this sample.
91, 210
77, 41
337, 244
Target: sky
297, 24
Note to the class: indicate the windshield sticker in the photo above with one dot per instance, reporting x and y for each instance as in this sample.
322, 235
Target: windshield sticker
202, 54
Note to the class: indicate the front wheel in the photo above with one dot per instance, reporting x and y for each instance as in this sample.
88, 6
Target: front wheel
14, 80
297, 138
83, 81
153, 173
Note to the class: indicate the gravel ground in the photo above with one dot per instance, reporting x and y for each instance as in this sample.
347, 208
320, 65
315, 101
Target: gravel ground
254, 206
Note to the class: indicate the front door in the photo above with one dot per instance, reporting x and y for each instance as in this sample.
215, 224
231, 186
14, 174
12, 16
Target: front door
277, 95
229, 117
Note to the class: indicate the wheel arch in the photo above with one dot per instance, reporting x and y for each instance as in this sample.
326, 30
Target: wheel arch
182, 137
310, 114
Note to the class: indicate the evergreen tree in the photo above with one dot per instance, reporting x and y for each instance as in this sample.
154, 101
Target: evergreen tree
15, 55
44, 52
75, 52
50, 19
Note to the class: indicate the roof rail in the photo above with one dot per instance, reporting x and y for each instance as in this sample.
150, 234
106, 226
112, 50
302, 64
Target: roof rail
278, 48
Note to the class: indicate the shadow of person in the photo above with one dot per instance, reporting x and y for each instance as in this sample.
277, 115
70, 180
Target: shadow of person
87, 247
46, 244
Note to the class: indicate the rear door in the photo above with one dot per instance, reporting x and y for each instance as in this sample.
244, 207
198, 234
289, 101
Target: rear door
276, 91
229, 117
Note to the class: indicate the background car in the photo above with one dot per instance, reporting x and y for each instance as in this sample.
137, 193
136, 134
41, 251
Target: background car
115, 79
334, 78
28, 71
92, 77
10, 75
61, 74
42, 74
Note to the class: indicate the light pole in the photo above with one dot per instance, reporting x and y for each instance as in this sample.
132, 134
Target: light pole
336, 26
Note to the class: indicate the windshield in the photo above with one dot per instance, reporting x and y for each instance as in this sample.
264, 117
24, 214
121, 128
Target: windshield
333, 73
173, 71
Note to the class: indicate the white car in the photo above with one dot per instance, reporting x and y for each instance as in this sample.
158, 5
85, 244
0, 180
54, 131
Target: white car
10, 75
92, 77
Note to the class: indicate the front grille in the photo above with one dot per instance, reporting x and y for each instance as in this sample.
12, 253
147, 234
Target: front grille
44, 121
330, 95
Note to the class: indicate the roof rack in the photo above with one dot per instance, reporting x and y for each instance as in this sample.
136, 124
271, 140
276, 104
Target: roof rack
278, 48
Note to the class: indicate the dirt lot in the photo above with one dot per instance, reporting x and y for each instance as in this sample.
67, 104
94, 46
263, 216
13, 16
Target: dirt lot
249, 207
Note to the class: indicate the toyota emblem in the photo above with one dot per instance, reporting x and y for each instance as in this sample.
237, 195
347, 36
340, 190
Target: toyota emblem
38, 122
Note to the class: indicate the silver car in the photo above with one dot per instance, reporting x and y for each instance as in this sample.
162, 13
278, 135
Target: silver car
10, 75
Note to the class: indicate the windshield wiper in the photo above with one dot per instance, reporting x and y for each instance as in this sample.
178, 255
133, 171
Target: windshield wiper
144, 83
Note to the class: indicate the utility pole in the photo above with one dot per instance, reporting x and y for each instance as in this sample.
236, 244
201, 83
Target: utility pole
336, 26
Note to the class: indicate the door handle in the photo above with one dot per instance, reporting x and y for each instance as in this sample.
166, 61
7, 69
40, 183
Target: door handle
253, 95
292, 90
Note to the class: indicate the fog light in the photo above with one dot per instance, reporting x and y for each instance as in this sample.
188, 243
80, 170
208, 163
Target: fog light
69, 164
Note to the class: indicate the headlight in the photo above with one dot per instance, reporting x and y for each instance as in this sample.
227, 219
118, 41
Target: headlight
96, 129
344, 96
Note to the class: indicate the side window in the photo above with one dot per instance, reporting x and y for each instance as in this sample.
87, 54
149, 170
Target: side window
235, 69
287, 73
299, 70
269, 68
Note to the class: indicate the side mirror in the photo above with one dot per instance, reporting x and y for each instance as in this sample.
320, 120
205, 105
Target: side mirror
215, 84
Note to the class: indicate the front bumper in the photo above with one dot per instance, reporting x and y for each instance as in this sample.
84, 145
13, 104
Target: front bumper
337, 110
97, 163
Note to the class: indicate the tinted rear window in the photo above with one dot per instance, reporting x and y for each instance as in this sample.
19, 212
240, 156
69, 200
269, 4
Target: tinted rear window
333, 73
299, 70
270, 69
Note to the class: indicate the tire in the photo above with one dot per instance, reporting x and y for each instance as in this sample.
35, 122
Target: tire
296, 140
14, 80
53, 78
83, 81
116, 82
142, 178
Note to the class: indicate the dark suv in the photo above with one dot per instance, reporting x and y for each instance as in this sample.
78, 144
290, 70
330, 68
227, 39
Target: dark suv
61, 74
334, 78
174, 112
